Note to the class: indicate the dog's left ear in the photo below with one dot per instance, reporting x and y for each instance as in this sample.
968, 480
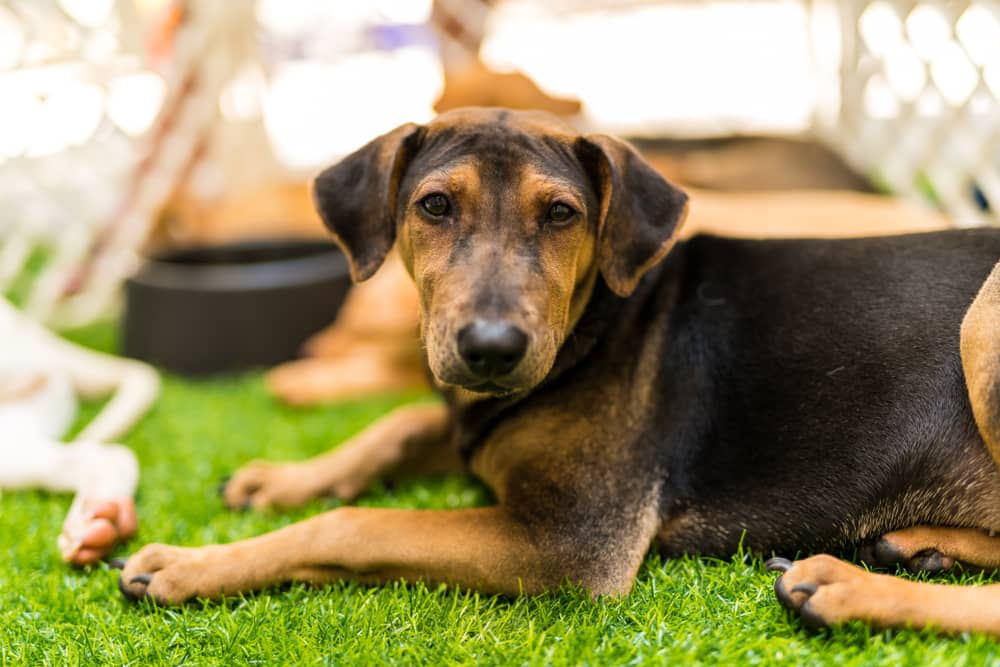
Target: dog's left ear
357, 198
641, 212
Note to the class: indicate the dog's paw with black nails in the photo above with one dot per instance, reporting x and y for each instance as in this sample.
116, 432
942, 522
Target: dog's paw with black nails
824, 591
170, 575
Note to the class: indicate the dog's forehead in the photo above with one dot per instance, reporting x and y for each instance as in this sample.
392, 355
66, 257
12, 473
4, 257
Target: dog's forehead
498, 141
531, 122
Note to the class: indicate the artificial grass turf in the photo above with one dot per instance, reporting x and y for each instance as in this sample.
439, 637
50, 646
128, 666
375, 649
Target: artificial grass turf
684, 611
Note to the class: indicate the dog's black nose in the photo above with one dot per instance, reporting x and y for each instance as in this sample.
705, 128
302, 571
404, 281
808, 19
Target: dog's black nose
492, 348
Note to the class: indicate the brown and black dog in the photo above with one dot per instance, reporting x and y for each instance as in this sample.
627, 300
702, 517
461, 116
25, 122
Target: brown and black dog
617, 390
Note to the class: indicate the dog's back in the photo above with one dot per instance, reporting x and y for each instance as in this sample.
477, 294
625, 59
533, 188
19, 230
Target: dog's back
831, 403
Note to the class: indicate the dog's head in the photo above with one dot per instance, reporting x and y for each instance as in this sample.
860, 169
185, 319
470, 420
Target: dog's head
504, 219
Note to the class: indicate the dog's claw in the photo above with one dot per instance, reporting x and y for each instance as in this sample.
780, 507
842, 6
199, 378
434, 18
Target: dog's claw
117, 563
811, 620
129, 595
125, 591
784, 599
778, 564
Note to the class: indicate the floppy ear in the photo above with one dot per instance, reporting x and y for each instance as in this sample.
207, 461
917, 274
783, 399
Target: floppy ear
357, 198
641, 212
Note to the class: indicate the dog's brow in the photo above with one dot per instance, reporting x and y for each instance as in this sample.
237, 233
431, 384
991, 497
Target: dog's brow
552, 186
557, 184
447, 171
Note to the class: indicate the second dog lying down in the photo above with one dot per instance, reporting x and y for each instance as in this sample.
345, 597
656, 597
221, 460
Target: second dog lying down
40, 378
616, 393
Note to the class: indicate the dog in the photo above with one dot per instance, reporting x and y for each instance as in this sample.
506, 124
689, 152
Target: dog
40, 377
619, 390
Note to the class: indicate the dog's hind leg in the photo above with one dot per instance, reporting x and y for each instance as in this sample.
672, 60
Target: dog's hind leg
980, 349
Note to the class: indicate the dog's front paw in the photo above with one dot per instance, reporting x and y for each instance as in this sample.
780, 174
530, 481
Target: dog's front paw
823, 590
171, 575
261, 485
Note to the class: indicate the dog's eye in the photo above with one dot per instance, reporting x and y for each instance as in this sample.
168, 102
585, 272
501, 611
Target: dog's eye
436, 204
559, 213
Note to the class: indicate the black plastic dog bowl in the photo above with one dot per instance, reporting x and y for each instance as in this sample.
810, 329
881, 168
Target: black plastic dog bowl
219, 309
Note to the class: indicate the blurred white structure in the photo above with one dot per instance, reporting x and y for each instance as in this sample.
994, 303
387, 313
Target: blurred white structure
76, 97
919, 101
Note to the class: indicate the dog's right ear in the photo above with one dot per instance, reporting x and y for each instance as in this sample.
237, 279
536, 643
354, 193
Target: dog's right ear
357, 198
641, 212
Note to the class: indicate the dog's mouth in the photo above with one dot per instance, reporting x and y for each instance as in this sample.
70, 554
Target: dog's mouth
484, 387
490, 387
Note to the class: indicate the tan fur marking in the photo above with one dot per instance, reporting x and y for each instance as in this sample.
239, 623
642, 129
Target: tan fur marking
980, 349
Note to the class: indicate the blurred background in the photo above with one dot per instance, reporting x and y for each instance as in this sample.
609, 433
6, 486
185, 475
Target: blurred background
128, 126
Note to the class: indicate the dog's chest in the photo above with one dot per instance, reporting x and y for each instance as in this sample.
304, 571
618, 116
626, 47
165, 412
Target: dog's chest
567, 445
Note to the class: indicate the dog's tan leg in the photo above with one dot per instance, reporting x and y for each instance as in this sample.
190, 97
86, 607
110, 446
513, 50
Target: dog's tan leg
411, 435
980, 349
826, 591
486, 549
